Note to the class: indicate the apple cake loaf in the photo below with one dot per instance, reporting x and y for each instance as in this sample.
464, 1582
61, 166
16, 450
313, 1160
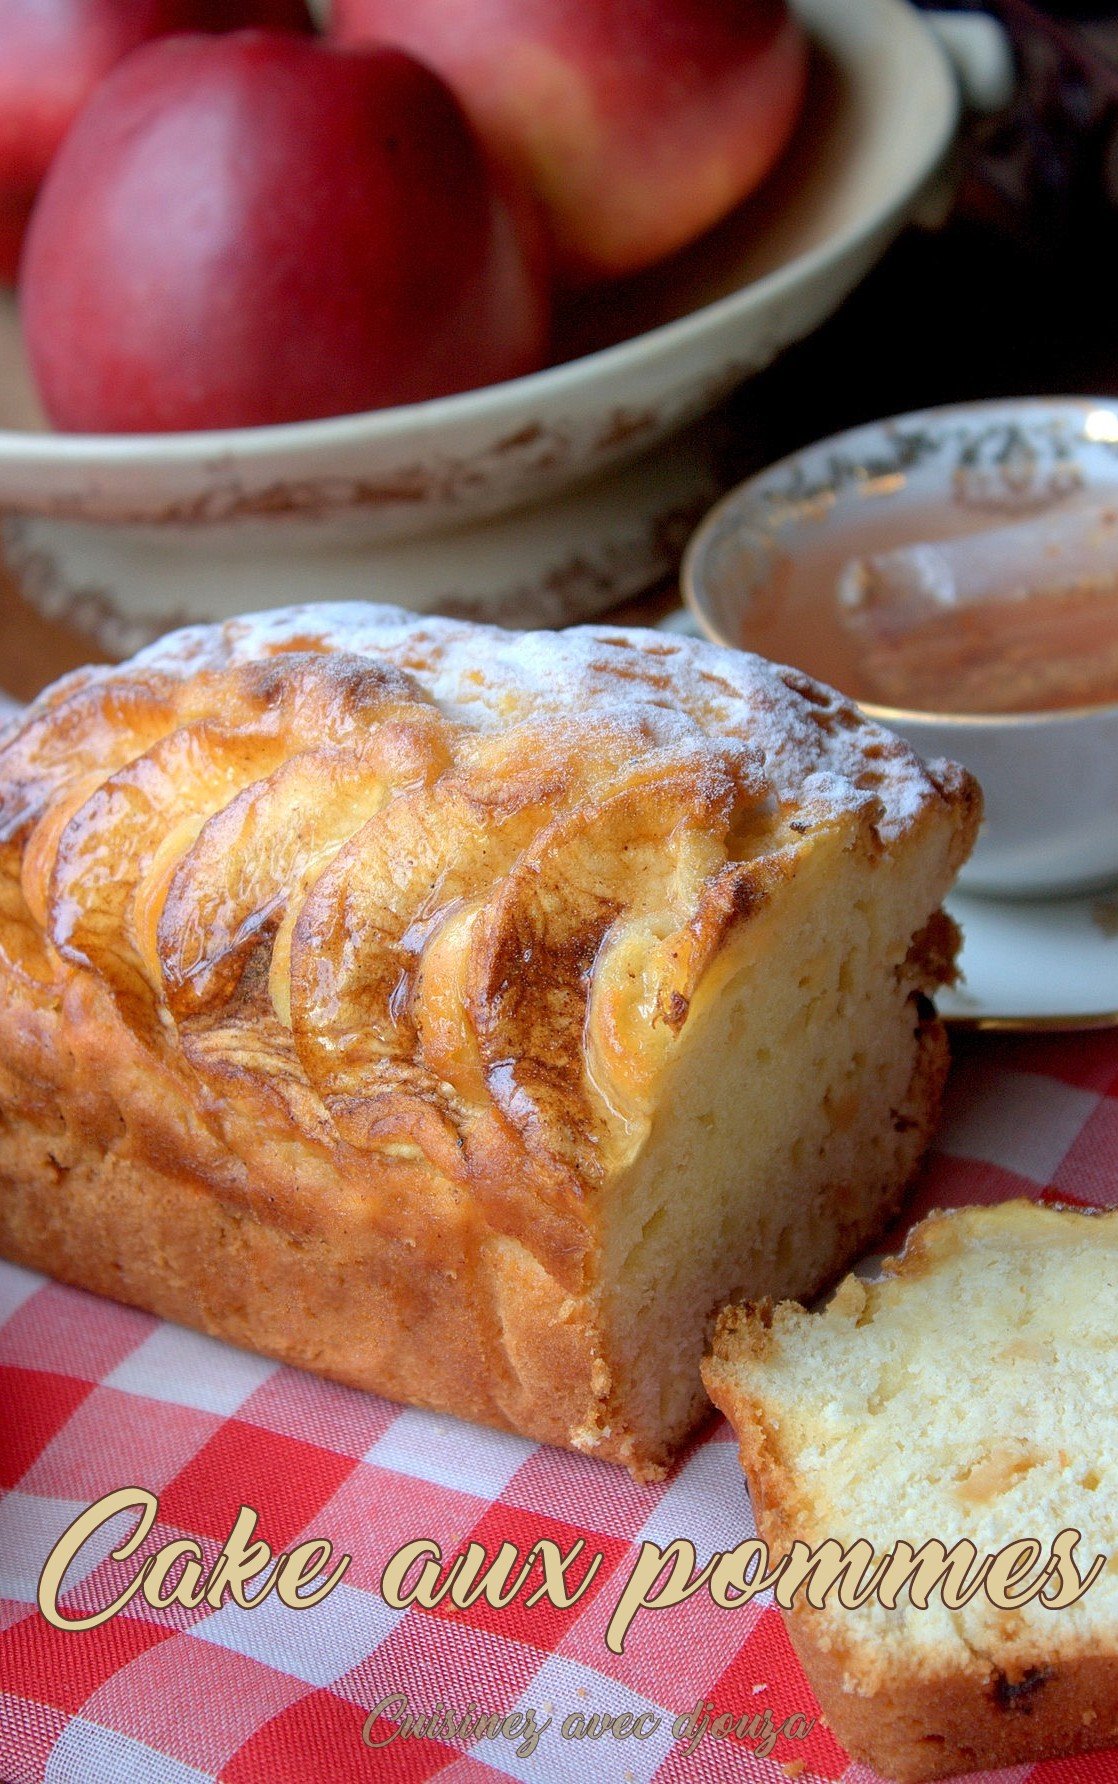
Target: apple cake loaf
461, 1014
969, 1396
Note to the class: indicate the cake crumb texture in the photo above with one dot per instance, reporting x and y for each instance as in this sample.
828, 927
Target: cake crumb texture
970, 1393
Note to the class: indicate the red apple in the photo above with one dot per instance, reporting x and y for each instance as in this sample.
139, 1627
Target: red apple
264, 228
639, 122
52, 55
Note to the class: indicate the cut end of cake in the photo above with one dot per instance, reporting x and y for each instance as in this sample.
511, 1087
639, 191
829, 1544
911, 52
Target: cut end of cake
796, 1106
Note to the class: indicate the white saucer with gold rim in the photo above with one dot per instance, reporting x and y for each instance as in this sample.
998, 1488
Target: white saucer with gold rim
1037, 963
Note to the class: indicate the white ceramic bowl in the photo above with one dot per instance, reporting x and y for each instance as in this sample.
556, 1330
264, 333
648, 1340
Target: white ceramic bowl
1050, 778
130, 534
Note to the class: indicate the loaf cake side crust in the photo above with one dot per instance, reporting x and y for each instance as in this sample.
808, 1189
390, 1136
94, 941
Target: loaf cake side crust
921, 1694
103, 1186
351, 964
500, 1345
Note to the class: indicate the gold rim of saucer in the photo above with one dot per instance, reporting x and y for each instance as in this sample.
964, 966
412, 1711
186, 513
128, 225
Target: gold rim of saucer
1042, 716
1033, 1024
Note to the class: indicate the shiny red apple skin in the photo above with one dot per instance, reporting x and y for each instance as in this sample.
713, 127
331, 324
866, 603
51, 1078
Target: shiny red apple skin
52, 55
261, 228
639, 122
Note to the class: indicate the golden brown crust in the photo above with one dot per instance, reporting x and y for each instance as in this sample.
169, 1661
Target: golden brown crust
318, 942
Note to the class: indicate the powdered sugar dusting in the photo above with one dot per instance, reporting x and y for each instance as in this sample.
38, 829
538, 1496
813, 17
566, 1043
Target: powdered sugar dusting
677, 688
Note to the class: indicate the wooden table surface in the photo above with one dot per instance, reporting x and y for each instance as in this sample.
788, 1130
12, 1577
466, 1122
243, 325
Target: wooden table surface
33, 650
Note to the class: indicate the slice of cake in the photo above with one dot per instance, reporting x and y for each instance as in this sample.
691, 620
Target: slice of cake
462, 1014
972, 1394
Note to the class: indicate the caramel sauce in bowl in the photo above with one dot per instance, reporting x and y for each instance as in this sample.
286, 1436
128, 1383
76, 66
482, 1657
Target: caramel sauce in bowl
955, 571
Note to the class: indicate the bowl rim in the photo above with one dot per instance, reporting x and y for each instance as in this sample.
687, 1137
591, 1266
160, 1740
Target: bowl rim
689, 579
397, 422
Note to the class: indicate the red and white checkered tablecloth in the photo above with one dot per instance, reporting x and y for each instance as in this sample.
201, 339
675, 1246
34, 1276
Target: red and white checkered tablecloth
94, 1397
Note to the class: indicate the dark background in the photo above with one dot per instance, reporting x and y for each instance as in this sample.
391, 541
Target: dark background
1016, 295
